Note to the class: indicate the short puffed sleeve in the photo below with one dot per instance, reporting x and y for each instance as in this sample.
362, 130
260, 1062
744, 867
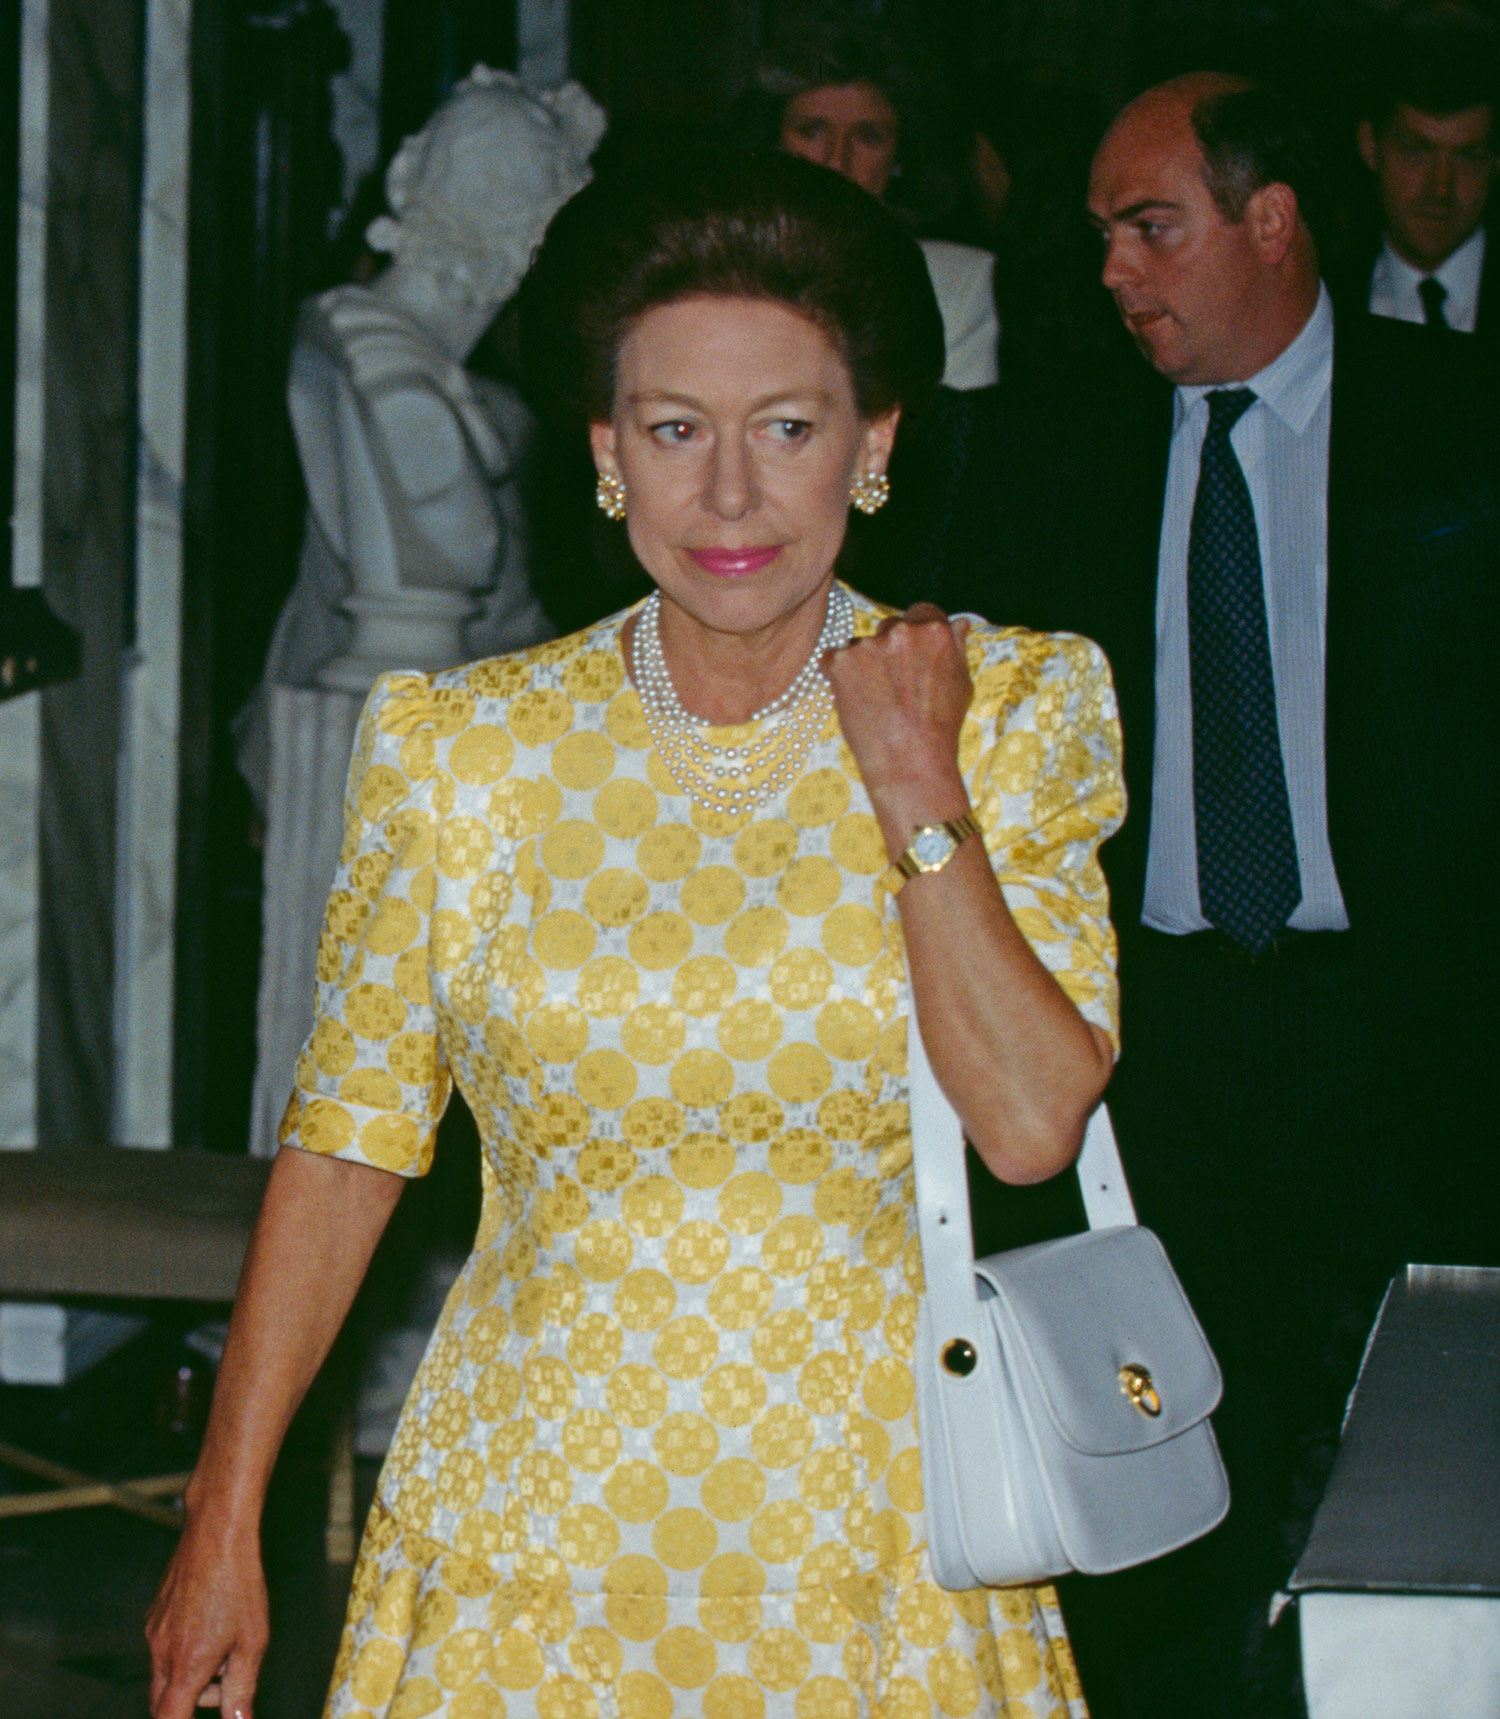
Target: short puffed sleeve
1041, 755
372, 1080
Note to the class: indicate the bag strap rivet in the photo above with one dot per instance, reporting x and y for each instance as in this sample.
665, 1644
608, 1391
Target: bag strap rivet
959, 1357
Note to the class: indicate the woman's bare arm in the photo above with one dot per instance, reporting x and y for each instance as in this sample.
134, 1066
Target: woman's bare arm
317, 1230
1020, 1064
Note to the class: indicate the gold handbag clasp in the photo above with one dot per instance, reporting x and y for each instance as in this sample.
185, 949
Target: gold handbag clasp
1136, 1383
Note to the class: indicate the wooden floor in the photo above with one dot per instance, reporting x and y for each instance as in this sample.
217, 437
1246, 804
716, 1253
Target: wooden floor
74, 1586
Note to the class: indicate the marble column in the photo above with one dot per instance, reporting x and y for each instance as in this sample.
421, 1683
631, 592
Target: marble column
65, 753
146, 838
88, 769
87, 550
20, 718
20, 740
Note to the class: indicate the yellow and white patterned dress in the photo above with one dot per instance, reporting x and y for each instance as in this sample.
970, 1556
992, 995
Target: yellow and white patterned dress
661, 1456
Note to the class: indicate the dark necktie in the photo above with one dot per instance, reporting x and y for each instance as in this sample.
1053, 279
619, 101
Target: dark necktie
1248, 881
1433, 295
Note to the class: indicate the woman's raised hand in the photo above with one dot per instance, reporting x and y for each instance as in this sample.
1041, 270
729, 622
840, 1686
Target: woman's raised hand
902, 695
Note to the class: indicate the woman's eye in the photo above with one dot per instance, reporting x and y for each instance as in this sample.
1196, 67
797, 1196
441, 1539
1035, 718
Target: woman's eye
673, 432
790, 429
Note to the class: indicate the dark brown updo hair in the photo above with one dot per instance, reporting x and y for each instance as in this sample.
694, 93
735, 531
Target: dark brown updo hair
731, 224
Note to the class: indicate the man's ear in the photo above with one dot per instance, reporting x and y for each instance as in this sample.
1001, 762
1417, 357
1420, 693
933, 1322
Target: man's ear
602, 447
1364, 138
1273, 217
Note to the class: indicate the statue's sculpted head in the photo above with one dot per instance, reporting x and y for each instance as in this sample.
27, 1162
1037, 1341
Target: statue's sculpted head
472, 192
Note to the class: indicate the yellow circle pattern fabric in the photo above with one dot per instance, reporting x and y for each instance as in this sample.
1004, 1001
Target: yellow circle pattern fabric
661, 1457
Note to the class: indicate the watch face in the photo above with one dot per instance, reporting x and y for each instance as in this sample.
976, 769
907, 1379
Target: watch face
930, 847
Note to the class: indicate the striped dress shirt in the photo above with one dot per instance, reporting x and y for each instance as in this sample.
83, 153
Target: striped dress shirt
1282, 446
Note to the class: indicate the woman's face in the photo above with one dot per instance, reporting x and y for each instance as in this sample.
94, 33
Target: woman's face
849, 127
736, 433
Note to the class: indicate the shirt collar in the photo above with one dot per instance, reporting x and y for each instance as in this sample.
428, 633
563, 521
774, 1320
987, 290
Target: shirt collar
1460, 273
1294, 383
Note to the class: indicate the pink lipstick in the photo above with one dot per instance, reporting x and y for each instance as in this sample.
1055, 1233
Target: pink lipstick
735, 563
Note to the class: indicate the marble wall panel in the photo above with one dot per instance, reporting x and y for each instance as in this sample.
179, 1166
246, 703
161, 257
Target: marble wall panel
87, 539
19, 781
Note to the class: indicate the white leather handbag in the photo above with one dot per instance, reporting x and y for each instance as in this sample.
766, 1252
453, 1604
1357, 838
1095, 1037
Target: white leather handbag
1064, 1389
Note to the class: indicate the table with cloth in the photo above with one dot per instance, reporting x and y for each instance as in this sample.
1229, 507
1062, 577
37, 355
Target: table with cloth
661, 1457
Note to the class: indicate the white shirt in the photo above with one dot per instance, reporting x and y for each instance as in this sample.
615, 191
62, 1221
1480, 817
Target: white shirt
1281, 442
1394, 283
963, 278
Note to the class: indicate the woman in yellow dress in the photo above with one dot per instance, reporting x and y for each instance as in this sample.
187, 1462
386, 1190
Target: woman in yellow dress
633, 891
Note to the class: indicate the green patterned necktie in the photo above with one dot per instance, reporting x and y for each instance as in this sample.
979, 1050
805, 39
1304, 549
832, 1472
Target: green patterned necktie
1248, 881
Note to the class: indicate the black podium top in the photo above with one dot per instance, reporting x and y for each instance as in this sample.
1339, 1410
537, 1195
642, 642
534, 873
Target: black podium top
1413, 1504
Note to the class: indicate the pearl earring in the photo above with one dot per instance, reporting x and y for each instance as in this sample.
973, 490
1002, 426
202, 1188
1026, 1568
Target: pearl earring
609, 492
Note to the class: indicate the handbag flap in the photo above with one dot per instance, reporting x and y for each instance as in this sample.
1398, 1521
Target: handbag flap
1100, 1323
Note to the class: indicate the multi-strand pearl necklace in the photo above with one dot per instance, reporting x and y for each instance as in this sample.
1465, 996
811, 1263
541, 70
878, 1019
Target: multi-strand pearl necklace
737, 778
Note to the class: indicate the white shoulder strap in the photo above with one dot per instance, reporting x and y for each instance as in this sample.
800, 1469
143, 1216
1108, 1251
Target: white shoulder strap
943, 1226
942, 1185
1101, 1176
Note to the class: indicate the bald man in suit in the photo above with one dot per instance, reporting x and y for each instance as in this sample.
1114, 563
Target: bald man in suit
1287, 541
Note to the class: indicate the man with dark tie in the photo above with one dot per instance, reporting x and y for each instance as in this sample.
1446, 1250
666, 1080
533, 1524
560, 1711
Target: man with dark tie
1290, 556
1428, 139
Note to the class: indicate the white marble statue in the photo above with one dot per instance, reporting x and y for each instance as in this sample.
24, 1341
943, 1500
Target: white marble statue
414, 553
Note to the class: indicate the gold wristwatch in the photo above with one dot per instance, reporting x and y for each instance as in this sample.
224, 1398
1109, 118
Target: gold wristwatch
930, 848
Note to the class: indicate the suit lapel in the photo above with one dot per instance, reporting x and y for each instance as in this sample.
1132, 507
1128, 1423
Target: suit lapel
1487, 312
1127, 631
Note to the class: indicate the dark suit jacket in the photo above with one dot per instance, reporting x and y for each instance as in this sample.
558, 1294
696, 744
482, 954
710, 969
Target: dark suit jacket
1059, 527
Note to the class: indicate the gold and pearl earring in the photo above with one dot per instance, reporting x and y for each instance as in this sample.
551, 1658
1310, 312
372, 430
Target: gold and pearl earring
870, 491
609, 493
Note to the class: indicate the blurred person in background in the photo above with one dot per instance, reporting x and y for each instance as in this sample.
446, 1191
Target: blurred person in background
1428, 138
854, 98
